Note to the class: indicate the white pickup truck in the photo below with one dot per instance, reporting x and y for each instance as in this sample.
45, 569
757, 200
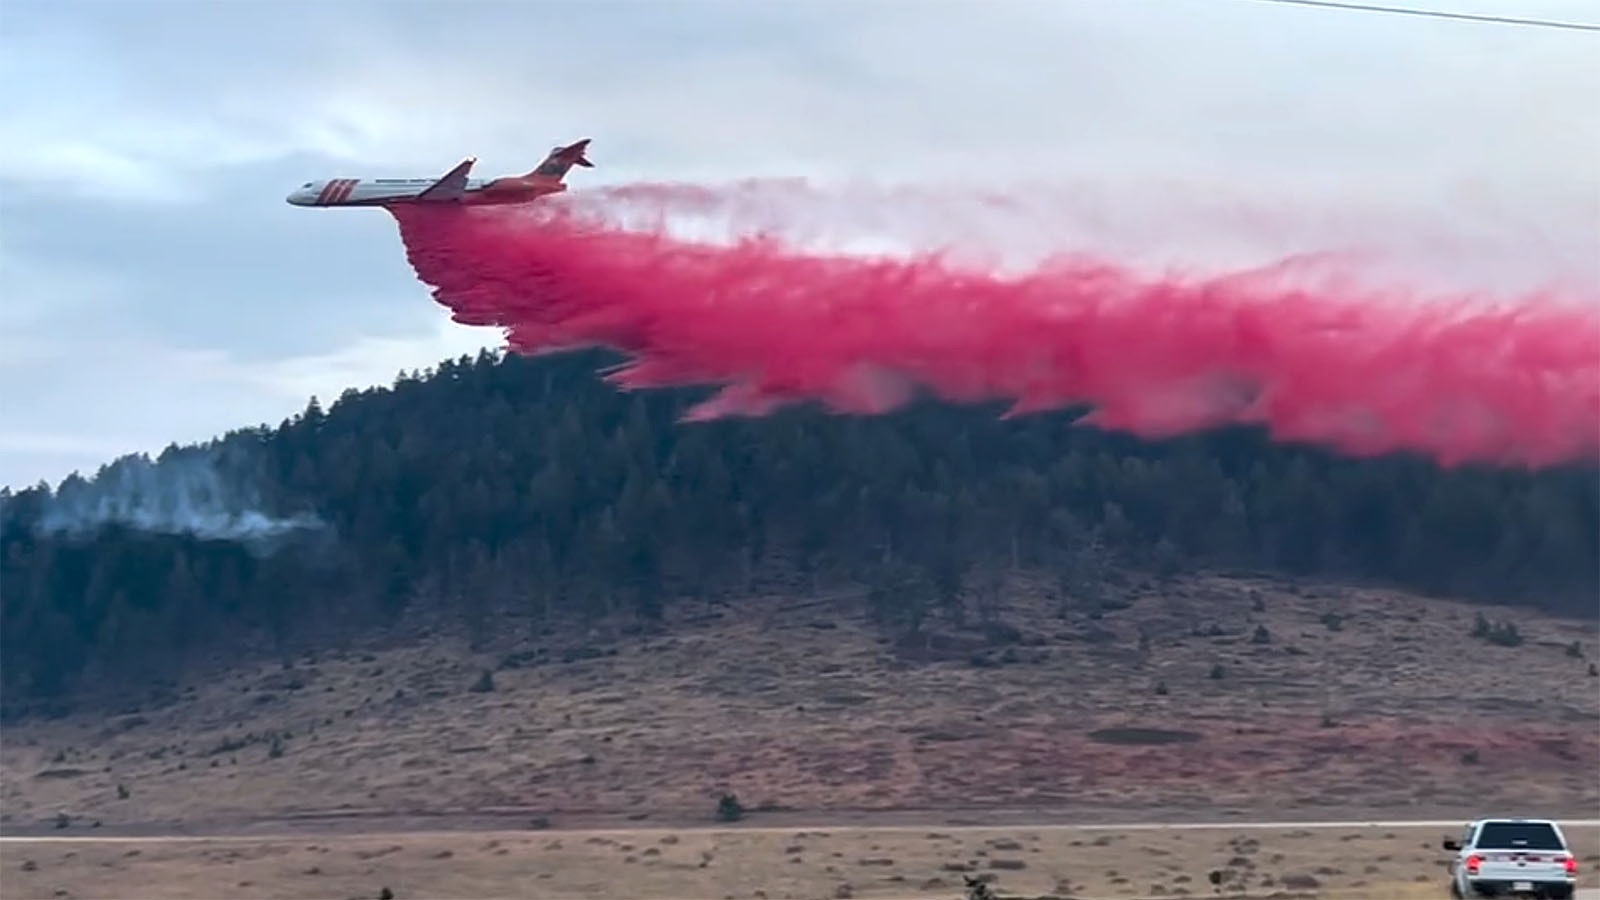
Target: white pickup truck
1512, 858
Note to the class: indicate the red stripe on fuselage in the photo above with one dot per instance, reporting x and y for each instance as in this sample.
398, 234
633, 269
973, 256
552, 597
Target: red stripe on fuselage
336, 191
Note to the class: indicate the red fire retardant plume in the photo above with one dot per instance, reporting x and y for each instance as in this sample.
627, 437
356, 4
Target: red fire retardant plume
1358, 370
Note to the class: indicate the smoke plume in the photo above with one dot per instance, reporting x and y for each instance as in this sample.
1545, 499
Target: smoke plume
780, 294
190, 491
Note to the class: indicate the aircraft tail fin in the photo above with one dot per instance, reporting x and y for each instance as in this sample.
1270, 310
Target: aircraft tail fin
561, 159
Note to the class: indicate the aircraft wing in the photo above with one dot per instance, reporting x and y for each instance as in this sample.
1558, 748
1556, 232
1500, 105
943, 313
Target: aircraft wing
452, 185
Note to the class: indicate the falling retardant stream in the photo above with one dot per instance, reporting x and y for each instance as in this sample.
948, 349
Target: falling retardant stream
1354, 368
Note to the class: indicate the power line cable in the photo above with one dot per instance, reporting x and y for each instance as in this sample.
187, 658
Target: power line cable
1441, 14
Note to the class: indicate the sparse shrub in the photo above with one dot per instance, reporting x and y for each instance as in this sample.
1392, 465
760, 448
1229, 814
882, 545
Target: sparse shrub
1217, 672
1012, 864
729, 809
1575, 650
1000, 633
1261, 636
484, 684
63, 820
1114, 604
1504, 634
1333, 621
1161, 688
1469, 758
275, 750
1593, 672
122, 792
978, 888
1256, 603
1167, 557
231, 744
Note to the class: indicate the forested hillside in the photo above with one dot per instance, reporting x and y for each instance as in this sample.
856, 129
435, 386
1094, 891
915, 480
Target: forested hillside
531, 485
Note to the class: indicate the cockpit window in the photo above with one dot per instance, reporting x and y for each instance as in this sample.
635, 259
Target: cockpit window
306, 185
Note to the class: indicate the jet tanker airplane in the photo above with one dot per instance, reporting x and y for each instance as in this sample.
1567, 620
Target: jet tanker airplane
453, 187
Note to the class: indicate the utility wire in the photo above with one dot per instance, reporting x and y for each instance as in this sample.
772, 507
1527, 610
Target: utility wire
1441, 14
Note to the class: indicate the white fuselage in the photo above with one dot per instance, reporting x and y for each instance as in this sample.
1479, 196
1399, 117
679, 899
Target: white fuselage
384, 191
368, 191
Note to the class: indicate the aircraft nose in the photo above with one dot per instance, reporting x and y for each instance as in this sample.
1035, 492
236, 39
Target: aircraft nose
304, 195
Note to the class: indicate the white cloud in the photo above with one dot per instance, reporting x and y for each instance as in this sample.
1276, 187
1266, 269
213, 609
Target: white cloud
366, 362
134, 395
81, 135
859, 88
53, 444
38, 293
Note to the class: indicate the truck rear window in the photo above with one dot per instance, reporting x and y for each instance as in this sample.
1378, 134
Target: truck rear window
1518, 836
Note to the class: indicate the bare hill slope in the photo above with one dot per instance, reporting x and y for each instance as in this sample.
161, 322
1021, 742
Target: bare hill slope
1199, 697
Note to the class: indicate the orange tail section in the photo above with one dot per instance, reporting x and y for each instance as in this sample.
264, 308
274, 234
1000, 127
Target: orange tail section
562, 159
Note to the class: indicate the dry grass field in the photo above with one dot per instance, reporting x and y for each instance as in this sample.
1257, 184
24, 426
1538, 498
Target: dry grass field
1377, 863
1173, 707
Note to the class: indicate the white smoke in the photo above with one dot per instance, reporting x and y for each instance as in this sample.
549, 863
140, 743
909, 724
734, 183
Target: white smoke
190, 491
1447, 236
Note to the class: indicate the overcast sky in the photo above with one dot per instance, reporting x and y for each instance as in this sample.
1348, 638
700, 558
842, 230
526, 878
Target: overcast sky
157, 287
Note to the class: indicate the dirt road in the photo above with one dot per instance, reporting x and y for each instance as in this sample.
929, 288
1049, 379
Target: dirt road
1343, 859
